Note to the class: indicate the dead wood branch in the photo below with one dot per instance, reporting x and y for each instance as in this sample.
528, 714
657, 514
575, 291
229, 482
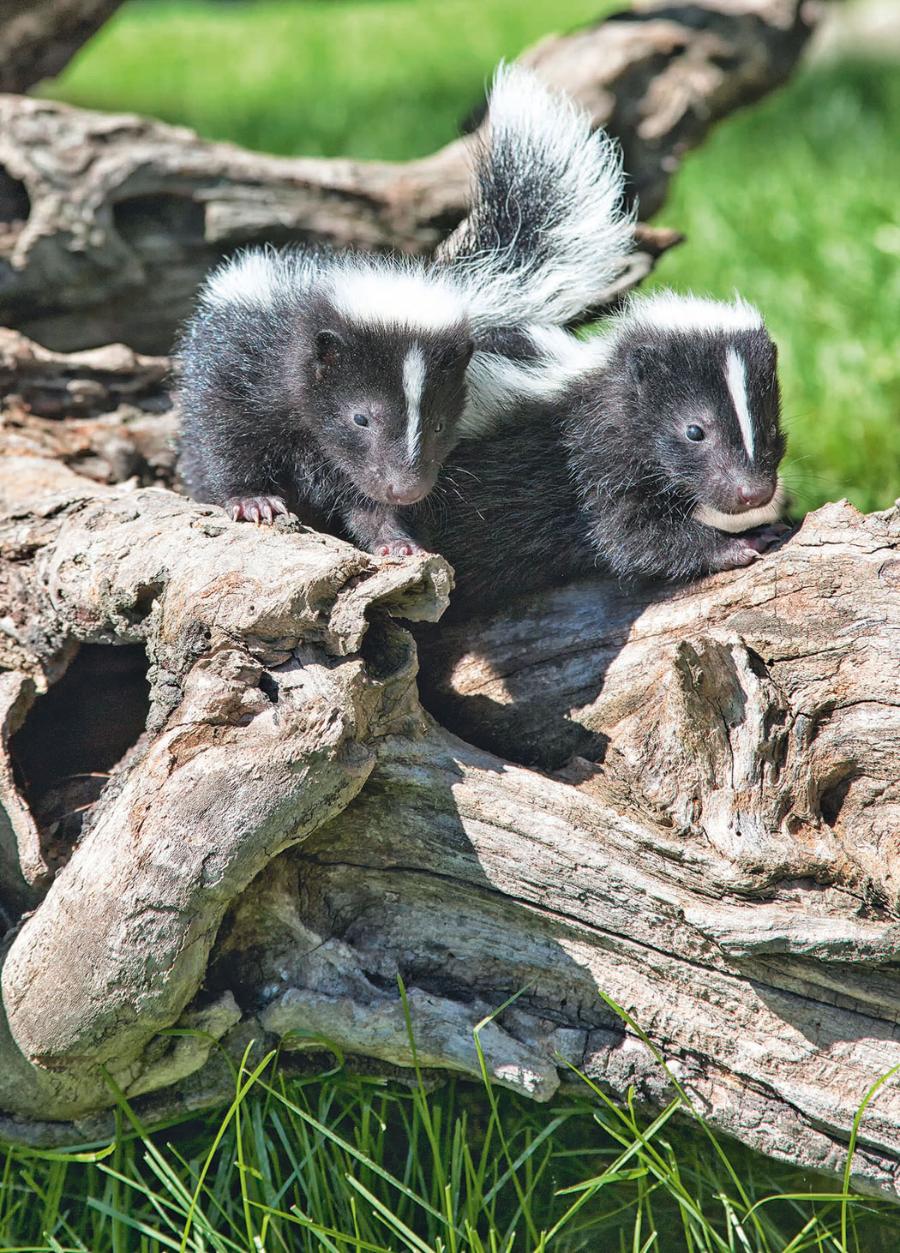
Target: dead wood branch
272, 851
109, 222
39, 37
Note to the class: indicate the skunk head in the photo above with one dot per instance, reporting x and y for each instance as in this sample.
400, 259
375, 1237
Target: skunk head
385, 405
379, 363
365, 356
699, 382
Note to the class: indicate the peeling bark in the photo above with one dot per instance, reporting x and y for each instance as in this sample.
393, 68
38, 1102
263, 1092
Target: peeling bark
107, 412
108, 223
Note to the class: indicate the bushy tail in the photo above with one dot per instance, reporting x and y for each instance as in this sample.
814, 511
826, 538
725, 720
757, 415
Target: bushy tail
548, 232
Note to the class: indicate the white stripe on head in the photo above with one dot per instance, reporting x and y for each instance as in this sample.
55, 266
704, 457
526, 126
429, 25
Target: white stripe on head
258, 277
413, 383
736, 378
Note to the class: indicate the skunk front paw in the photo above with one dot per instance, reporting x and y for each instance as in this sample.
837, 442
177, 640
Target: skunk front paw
255, 508
742, 551
770, 534
399, 548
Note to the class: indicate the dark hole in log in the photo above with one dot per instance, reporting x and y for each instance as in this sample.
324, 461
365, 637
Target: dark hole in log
75, 734
385, 649
269, 685
832, 800
145, 597
15, 203
149, 222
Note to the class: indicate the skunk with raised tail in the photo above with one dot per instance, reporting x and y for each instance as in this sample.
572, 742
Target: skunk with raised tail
335, 385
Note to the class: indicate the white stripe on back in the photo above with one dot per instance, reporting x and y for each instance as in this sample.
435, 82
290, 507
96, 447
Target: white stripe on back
413, 383
736, 378
374, 292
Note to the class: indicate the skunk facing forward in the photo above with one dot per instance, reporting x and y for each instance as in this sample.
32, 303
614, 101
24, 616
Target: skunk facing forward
647, 452
335, 385
326, 385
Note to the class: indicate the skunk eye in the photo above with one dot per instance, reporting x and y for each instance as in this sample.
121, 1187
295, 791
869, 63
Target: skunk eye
360, 419
696, 433
438, 426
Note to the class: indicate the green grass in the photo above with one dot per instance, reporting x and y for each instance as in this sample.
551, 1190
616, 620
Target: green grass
350, 1165
794, 202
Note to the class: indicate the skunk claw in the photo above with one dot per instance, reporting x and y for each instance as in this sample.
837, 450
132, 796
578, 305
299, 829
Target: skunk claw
399, 548
257, 509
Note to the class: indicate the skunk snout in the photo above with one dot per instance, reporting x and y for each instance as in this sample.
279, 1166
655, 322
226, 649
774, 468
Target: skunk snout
404, 493
752, 495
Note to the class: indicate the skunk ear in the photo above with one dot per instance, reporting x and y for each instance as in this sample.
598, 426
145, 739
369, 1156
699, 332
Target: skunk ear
453, 355
640, 362
329, 346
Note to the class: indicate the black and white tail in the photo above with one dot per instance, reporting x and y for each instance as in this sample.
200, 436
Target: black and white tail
548, 230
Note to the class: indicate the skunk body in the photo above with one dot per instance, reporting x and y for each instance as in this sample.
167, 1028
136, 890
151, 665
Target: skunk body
335, 385
649, 460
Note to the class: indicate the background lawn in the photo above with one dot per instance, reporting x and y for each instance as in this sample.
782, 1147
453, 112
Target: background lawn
795, 204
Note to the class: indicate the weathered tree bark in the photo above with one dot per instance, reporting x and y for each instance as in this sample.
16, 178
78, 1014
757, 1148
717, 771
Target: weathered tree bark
119, 419
39, 37
270, 822
108, 223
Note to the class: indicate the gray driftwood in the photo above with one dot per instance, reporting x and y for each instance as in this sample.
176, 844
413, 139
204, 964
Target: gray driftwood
107, 223
710, 840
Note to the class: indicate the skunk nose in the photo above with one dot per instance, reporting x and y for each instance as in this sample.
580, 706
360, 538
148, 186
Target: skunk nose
749, 496
404, 495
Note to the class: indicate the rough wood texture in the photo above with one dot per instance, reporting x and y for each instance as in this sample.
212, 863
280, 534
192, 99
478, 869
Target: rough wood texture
106, 412
39, 37
107, 223
283, 834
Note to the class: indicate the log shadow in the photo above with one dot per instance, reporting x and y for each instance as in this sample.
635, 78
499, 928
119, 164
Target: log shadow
856, 1001
544, 683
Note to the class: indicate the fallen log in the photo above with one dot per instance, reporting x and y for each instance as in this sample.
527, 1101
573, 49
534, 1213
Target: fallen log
109, 222
269, 854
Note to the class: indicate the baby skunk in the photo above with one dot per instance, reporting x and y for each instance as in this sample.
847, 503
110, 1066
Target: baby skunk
326, 385
645, 452
335, 385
